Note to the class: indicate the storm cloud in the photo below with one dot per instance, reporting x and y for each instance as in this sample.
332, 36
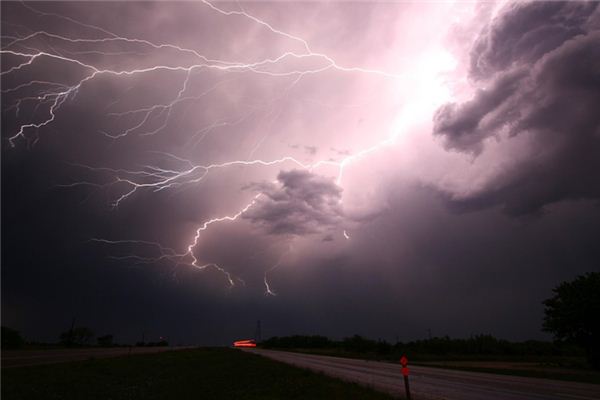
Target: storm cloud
537, 71
362, 160
300, 203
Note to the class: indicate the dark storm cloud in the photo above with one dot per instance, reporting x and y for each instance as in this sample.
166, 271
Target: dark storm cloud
301, 203
410, 265
524, 32
539, 66
466, 125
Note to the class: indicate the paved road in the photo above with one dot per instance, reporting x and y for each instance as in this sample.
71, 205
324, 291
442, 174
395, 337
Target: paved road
436, 383
25, 358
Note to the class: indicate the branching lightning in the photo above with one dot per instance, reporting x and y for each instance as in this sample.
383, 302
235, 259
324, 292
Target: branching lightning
53, 95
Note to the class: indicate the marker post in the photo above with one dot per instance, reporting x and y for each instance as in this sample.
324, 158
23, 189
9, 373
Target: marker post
404, 363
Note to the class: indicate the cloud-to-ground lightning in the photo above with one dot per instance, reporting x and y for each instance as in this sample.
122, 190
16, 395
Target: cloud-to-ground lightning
52, 96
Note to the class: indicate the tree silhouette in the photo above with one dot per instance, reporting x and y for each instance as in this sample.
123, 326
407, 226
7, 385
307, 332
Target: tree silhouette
105, 341
11, 339
573, 314
80, 336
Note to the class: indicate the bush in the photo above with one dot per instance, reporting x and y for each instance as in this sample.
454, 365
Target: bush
11, 339
105, 341
80, 336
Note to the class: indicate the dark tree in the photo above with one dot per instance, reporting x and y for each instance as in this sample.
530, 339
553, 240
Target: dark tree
11, 339
573, 314
66, 338
105, 341
83, 335
79, 336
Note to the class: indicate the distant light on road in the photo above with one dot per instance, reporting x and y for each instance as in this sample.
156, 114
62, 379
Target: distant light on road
245, 343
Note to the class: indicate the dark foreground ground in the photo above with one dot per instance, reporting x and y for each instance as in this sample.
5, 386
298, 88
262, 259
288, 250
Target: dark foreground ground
30, 357
211, 373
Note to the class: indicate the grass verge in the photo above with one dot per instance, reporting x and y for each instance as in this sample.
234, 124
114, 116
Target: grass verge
584, 376
206, 373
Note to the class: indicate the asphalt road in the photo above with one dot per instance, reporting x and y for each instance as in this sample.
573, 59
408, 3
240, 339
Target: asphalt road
436, 383
25, 358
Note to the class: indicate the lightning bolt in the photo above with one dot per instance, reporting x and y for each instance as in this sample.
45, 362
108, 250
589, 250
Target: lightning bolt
53, 96
268, 290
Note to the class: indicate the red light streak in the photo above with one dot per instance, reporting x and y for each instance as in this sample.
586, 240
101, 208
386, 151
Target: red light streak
244, 343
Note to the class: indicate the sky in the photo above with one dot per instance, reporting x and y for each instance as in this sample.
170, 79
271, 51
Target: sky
388, 169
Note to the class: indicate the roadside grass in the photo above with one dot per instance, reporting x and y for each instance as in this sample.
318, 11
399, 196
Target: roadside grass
544, 372
204, 373
561, 368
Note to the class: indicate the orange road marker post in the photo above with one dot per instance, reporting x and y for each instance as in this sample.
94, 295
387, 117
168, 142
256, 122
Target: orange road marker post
404, 363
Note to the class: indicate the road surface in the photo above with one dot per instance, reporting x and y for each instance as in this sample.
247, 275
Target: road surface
436, 383
25, 358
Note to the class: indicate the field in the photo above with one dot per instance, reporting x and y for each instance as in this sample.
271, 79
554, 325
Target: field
206, 373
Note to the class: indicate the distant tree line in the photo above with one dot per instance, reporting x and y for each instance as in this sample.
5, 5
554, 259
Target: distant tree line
160, 343
80, 336
77, 337
439, 346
